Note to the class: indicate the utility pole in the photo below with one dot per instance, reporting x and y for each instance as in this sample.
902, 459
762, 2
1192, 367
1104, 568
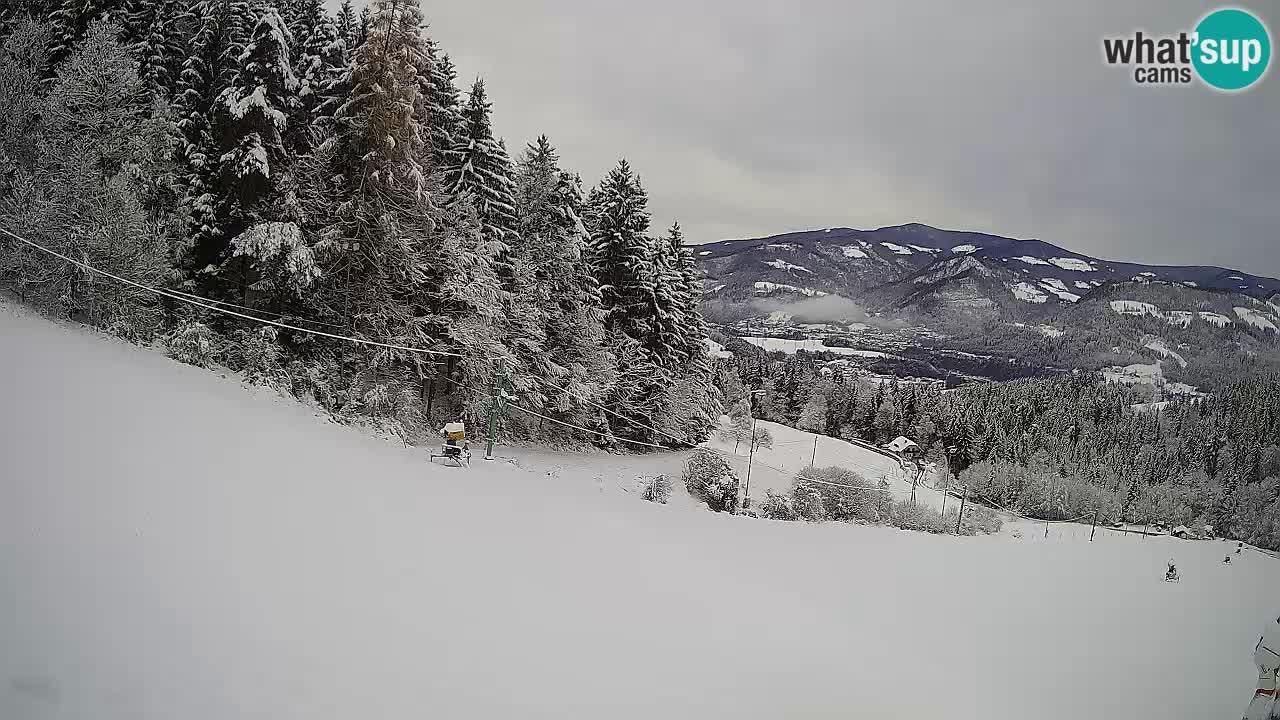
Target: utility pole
1094, 529
815, 450
963, 500
495, 407
944, 497
751, 453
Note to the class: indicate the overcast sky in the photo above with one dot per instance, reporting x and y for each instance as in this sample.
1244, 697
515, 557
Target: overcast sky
753, 117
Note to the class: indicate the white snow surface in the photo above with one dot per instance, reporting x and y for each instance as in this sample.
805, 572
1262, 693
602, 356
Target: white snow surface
897, 249
1073, 264
716, 350
1031, 260
764, 288
784, 265
174, 545
923, 249
776, 468
1082, 285
964, 248
705, 252
852, 251
1254, 318
790, 347
1214, 318
1028, 292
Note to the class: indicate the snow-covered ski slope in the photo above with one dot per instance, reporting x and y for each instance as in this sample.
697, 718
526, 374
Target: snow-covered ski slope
173, 545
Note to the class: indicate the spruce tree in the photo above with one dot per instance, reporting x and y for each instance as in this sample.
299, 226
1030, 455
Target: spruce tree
377, 200
222, 28
347, 25
620, 252
319, 57
159, 45
252, 116
443, 102
668, 340
477, 170
71, 19
552, 255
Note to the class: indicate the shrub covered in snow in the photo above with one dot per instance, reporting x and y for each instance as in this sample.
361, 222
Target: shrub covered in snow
845, 494
194, 343
907, 516
709, 478
808, 504
978, 520
257, 354
777, 507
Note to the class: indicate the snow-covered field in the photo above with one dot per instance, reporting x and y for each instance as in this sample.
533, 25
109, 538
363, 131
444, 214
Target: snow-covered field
174, 545
792, 346
775, 468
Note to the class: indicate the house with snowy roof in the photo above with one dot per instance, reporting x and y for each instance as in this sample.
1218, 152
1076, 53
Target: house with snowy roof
903, 446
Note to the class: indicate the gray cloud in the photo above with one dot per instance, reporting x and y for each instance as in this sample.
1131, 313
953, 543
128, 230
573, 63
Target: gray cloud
748, 118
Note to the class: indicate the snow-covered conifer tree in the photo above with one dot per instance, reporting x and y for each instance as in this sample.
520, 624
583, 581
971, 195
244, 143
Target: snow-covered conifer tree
347, 25
251, 116
320, 57
71, 19
552, 254
221, 30
443, 101
478, 170
159, 44
378, 208
621, 252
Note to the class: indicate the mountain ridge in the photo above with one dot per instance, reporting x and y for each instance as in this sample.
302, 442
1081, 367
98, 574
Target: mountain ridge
918, 239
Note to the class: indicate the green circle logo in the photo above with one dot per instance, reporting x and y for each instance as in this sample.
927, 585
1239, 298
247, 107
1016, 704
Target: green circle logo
1232, 49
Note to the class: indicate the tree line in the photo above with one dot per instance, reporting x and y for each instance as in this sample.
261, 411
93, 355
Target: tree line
1051, 448
327, 170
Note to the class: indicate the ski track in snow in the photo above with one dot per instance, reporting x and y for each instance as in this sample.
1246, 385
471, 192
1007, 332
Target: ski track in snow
175, 545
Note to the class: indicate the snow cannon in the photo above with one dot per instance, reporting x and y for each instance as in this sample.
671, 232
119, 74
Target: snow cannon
455, 432
1266, 655
454, 450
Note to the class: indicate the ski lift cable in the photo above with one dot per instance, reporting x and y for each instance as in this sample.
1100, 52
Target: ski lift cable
615, 413
268, 313
513, 406
181, 298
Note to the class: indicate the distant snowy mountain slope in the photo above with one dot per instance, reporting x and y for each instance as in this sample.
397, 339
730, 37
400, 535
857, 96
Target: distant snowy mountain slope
931, 272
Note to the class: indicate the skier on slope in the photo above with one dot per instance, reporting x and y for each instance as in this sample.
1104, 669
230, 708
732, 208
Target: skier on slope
1266, 655
1171, 574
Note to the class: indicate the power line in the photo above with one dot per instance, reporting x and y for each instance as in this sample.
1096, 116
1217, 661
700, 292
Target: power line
224, 311
201, 298
586, 430
513, 406
614, 412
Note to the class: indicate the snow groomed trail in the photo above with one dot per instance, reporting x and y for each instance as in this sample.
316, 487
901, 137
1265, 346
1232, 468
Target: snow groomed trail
174, 545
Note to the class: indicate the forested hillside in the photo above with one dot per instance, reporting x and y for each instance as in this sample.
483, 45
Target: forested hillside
327, 173
1054, 448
